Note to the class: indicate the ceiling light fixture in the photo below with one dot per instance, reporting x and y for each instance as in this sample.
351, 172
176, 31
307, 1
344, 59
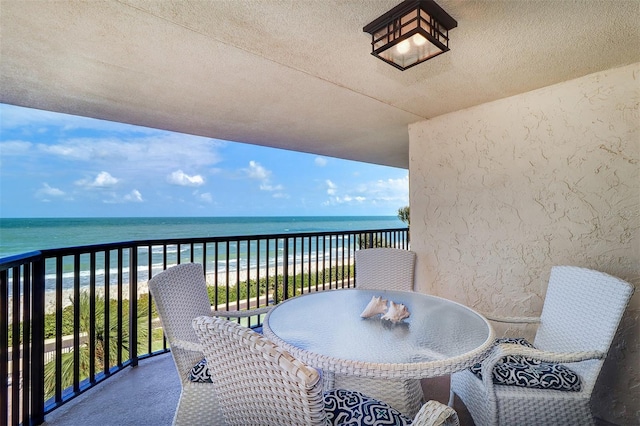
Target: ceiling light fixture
410, 33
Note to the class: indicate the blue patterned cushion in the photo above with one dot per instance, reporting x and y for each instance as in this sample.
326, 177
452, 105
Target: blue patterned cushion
518, 370
351, 408
200, 373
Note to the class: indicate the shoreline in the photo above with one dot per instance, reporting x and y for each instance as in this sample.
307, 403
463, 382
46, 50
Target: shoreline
234, 279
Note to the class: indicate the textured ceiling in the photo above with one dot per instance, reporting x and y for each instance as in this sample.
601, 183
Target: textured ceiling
294, 74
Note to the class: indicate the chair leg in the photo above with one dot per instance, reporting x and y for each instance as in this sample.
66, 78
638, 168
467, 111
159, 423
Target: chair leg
328, 381
198, 406
451, 394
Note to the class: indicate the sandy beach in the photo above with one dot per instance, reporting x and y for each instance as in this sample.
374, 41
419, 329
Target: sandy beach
233, 276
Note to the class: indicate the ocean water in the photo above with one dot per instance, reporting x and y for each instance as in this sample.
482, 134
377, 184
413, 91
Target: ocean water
24, 235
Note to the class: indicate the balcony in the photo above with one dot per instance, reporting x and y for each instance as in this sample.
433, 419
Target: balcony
84, 376
65, 313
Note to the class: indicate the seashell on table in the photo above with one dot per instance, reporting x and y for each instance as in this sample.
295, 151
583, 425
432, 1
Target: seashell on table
396, 312
376, 306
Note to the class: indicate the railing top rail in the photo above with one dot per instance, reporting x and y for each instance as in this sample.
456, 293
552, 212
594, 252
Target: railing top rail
19, 259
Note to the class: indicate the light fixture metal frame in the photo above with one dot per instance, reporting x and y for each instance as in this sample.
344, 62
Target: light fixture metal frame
440, 22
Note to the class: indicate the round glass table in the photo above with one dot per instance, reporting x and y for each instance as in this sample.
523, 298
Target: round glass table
325, 331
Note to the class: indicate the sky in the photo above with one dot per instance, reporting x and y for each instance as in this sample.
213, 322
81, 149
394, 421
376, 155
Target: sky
59, 165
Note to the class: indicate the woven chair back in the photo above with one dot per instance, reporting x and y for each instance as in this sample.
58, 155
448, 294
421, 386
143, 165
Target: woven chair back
582, 310
385, 269
257, 382
180, 295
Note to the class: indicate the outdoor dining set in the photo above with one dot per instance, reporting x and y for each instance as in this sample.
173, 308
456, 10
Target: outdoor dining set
357, 356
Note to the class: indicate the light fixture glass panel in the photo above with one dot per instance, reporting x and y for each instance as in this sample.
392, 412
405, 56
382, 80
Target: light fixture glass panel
418, 40
409, 16
425, 17
403, 47
381, 37
426, 26
412, 25
380, 44
409, 57
443, 39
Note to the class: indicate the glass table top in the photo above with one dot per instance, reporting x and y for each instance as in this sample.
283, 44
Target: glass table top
329, 324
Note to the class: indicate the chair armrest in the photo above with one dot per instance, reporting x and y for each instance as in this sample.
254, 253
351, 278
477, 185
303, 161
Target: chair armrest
242, 314
197, 347
188, 346
513, 320
434, 413
504, 349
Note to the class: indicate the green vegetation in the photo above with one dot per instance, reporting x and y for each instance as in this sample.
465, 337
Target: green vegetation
366, 241
114, 348
403, 214
275, 285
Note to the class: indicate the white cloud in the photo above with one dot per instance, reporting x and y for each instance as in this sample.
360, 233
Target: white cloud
256, 171
148, 153
47, 192
15, 147
331, 187
268, 187
133, 197
102, 180
320, 161
180, 178
390, 190
380, 192
347, 199
206, 197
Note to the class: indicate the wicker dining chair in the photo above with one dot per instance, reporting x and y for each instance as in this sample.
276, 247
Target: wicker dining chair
260, 383
385, 269
580, 316
180, 295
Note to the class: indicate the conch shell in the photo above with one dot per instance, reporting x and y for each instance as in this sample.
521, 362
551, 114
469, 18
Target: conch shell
376, 306
396, 312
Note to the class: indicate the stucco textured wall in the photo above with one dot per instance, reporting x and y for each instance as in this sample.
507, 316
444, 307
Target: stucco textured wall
502, 192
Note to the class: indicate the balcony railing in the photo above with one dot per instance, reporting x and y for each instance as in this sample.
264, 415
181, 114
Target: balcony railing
66, 314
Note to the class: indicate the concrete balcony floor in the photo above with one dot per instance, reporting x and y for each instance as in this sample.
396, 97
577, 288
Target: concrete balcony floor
148, 395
